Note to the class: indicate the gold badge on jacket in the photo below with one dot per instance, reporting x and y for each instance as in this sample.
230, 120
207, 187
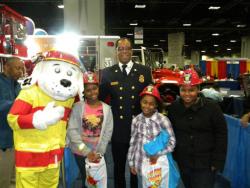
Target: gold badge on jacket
141, 78
114, 83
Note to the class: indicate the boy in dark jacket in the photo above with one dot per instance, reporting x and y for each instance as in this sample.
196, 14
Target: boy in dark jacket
201, 134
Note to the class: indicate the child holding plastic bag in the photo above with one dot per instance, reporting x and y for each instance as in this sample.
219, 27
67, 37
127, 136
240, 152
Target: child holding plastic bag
89, 131
153, 167
155, 146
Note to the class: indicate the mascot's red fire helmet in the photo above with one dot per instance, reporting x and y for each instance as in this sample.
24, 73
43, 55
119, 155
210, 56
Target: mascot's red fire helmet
190, 77
90, 78
54, 55
151, 90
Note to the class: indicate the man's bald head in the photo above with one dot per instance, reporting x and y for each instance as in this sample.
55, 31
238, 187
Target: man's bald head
13, 68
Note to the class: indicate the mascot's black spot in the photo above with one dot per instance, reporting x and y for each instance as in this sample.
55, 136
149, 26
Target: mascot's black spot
27, 81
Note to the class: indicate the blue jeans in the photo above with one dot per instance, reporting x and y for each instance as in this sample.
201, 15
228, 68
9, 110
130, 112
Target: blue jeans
139, 179
80, 160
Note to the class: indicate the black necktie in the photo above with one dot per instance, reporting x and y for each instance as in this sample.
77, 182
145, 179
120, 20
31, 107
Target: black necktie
124, 70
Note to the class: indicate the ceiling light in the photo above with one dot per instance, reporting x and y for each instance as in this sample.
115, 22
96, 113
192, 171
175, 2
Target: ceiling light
60, 6
162, 40
198, 40
186, 24
204, 57
140, 6
214, 7
185, 45
104, 37
133, 24
216, 45
130, 34
241, 25
156, 45
215, 34
216, 51
233, 41
203, 51
228, 49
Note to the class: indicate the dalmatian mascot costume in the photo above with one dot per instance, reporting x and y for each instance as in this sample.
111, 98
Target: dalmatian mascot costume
39, 118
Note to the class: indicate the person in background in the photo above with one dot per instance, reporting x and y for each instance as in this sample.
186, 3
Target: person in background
145, 127
90, 125
201, 134
123, 83
9, 88
246, 106
172, 67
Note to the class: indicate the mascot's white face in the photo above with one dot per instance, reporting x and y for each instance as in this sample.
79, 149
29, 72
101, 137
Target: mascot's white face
59, 80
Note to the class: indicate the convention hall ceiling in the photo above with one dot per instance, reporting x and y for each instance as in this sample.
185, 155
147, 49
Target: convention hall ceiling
229, 19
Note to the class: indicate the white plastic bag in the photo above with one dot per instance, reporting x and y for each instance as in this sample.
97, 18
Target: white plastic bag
96, 174
155, 175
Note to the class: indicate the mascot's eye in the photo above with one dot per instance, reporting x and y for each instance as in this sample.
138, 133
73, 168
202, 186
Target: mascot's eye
57, 70
69, 73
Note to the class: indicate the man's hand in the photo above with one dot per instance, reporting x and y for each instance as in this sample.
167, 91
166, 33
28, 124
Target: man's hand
213, 168
244, 120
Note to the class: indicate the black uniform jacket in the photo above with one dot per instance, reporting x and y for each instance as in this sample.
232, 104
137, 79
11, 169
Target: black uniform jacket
201, 134
124, 96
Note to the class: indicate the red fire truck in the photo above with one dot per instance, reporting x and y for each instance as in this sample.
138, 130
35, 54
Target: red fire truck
12, 34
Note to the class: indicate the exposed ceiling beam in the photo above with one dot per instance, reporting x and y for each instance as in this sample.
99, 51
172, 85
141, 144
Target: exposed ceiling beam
229, 6
186, 28
146, 2
31, 1
185, 10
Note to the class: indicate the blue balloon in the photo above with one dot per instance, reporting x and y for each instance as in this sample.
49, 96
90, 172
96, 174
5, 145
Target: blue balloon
39, 31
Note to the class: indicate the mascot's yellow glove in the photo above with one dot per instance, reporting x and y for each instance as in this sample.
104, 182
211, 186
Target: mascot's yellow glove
50, 115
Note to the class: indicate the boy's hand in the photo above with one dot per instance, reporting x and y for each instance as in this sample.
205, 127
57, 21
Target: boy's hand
133, 170
153, 159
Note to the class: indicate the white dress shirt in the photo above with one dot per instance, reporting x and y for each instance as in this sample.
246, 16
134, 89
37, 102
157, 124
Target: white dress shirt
129, 66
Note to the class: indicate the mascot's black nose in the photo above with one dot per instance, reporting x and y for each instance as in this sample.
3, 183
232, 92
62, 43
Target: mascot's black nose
65, 83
